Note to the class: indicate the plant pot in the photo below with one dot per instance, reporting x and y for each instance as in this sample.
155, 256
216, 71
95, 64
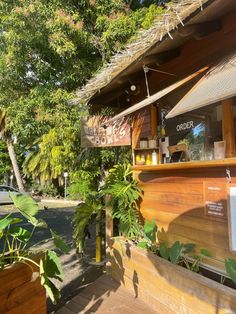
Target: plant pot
18, 294
166, 287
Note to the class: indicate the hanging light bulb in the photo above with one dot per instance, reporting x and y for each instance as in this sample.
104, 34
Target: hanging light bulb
133, 88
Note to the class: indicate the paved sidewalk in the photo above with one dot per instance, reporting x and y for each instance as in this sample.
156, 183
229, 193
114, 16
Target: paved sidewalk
105, 296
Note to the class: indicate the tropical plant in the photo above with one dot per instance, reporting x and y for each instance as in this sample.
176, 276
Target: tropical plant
125, 196
177, 253
85, 214
149, 237
16, 244
230, 266
123, 201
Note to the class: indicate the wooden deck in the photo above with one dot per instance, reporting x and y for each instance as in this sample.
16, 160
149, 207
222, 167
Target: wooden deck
105, 296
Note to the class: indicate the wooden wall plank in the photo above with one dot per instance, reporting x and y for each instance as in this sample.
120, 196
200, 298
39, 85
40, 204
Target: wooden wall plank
176, 201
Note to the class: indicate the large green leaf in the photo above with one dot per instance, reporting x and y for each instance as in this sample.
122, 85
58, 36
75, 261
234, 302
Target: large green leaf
52, 290
188, 247
60, 243
20, 233
6, 221
175, 251
164, 252
25, 204
230, 266
50, 266
205, 252
150, 230
28, 208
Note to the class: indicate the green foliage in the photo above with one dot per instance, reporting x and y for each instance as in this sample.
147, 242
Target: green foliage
16, 241
48, 49
84, 214
50, 268
230, 266
44, 190
125, 196
5, 163
149, 237
150, 230
85, 182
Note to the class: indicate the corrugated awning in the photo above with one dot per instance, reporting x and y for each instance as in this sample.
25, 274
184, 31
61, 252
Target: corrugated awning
219, 83
155, 97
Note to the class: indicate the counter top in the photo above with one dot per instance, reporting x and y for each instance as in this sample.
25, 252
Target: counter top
188, 165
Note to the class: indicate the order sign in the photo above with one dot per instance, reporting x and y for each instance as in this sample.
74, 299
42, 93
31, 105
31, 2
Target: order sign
215, 199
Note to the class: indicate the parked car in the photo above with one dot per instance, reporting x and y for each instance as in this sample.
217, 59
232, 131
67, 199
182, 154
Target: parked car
4, 194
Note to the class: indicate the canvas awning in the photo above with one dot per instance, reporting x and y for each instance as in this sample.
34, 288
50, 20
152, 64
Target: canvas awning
151, 99
219, 83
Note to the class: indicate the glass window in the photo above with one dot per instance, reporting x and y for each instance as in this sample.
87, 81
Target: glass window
197, 129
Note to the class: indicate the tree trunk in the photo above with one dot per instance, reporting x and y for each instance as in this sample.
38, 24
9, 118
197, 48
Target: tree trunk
15, 166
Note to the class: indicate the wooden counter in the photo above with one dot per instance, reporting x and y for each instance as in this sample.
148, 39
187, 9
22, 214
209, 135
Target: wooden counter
188, 165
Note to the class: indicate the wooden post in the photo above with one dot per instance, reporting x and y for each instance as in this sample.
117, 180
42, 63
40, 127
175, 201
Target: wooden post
153, 113
228, 127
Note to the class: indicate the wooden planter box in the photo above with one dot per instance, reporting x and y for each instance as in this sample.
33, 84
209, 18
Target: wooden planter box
166, 287
18, 294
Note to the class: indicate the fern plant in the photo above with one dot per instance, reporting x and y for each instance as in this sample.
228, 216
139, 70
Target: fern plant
125, 195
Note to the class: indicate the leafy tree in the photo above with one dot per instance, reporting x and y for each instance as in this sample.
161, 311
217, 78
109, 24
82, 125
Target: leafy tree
47, 49
7, 137
5, 163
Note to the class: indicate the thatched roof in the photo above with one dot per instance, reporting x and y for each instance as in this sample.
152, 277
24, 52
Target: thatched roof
163, 26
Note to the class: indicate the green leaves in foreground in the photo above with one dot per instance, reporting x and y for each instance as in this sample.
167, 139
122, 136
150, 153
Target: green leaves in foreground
60, 243
28, 208
230, 266
16, 239
50, 268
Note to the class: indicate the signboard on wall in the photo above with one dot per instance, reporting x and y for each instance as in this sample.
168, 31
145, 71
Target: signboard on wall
215, 199
96, 133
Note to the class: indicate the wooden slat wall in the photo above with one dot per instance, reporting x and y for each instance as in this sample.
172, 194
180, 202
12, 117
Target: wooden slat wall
176, 201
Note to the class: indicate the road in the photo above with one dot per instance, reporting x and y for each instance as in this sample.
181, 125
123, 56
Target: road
78, 271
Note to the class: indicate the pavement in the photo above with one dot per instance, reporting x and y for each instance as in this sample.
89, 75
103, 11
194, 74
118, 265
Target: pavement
78, 270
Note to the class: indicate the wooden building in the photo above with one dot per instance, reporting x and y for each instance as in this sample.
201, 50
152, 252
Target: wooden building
177, 85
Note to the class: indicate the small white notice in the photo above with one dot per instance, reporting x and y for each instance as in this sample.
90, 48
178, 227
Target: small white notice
232, 218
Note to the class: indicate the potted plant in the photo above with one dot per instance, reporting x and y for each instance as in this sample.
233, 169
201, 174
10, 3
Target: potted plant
25, 275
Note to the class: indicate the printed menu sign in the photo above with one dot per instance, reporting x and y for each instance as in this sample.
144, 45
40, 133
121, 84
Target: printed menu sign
215, 199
